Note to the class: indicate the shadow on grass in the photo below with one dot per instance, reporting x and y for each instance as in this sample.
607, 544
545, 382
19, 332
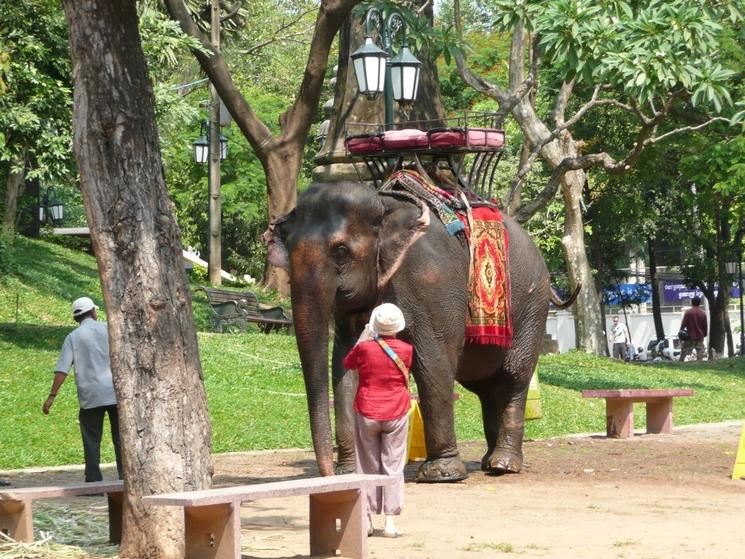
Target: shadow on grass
34, 336
62, 277
564, 381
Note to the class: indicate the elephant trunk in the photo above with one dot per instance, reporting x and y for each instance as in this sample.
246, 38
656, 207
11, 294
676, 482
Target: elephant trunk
312, 297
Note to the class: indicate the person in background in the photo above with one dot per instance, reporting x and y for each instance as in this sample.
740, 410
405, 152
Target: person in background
382, 405
87, 349
695, 321
619, 338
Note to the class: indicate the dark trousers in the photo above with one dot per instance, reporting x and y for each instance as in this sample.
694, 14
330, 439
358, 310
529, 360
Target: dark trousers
91, 428
619, 351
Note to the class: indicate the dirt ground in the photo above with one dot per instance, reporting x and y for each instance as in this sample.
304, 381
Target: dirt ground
649, 497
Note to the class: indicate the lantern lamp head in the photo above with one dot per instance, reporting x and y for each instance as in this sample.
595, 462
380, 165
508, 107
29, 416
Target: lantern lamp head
405, 75
369, 67
201, 150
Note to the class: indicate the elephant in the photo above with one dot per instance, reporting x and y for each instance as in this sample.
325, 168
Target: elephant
348, 248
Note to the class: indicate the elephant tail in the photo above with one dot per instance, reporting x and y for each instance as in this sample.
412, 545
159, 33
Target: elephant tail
559, 304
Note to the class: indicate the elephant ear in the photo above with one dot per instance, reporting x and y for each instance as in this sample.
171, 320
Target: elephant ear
275, 236
402, 225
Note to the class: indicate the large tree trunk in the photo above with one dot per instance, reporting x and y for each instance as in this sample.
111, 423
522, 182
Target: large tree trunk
165, 429
13, 188
282, 168
588, 320
589, 327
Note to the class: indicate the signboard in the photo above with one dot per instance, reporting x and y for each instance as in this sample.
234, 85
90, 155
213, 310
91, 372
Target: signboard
628, 294
677, 293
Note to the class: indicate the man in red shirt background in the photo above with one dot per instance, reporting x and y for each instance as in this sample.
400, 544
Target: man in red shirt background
382, 405
695, 321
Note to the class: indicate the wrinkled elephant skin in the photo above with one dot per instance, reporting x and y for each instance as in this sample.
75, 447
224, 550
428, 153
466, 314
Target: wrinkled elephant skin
347, 249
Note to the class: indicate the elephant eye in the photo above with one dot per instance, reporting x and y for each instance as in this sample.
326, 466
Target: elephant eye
341, 255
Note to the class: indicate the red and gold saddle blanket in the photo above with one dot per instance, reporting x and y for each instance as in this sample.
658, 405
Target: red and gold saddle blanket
489, 320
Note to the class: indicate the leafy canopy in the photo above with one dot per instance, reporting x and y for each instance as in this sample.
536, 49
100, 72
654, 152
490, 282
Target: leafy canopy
645, 49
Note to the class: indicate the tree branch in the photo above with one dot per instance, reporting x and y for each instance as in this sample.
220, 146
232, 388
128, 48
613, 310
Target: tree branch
296, 121
526, 211
255, 131
476, 82
275, 38
562, 99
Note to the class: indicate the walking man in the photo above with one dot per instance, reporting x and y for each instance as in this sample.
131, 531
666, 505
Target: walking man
87, 349
694, 319
619, 337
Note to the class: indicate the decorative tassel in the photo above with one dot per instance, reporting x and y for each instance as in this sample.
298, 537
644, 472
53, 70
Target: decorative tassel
455, 227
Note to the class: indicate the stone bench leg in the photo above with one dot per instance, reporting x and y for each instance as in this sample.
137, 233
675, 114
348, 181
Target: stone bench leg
619, 418
16, 520
660, 416
116, 509
213, 532
337, 523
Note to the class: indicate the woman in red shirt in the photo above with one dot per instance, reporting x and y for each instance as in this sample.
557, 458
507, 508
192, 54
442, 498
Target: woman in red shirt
382, 405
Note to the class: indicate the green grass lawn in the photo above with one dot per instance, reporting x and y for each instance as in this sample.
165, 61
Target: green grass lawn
254, 382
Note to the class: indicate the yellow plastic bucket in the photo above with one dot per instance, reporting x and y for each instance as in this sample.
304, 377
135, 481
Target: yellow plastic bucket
416, 448
533, 404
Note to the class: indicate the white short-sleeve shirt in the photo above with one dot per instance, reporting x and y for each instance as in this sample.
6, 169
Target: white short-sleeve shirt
87, 349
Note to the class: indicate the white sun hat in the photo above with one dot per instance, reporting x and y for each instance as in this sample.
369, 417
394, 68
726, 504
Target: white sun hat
387, 320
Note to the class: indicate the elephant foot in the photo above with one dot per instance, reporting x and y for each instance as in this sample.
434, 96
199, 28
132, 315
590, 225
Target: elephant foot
442, 470
502, 461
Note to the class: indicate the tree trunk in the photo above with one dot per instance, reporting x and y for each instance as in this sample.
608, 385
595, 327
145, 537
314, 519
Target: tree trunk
718, 320
659, 327
589, 327
588, 320
13, 188
281, 168
165, 429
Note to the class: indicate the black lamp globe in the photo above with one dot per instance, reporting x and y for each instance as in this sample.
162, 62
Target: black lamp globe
201, 150
405, 75
55, 207
369, 68
57, 210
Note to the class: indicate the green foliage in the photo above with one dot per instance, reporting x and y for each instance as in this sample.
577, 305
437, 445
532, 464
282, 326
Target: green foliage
7, 263
36, 102
644, 49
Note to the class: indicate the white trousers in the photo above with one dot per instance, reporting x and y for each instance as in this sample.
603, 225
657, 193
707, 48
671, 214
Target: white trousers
381, 449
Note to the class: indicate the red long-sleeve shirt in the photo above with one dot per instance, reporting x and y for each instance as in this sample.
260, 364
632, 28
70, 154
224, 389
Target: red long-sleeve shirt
695, 320
383, 392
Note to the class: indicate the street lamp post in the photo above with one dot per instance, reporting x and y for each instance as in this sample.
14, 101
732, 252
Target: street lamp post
212, 142
377, 70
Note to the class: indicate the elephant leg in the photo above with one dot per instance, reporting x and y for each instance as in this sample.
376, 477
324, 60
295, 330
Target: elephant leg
503, 413
344, 391
443, 462
345, 388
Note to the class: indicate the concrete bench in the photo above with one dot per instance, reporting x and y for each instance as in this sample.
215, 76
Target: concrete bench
337, 514
619, 409
16, 506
